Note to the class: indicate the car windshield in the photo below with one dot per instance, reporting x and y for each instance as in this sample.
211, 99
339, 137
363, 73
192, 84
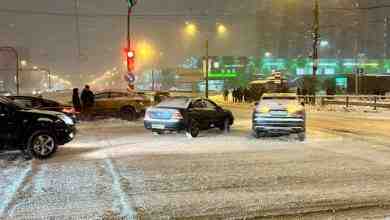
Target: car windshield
8, 101
175, 103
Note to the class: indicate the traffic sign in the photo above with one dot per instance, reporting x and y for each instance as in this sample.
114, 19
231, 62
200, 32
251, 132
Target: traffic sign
129, 77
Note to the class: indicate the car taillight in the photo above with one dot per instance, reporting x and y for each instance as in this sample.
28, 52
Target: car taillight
69, 110
177, 115
296, 111
147, 115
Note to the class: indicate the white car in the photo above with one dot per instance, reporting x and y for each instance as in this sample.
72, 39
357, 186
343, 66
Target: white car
279, 113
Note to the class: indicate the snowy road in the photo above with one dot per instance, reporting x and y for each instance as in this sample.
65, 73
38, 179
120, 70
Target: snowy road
115, 169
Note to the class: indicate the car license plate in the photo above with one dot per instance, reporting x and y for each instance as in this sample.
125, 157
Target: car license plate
279, 113
158, 126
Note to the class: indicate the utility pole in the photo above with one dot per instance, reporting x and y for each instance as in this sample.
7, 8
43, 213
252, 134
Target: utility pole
386, 37
316, 38
207, 70
128, 28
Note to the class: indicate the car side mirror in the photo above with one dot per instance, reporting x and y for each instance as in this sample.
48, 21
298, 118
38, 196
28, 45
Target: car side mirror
302, 103
257, 103
219, 109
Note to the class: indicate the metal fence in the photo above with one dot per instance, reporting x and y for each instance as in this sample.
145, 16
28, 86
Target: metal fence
347, 101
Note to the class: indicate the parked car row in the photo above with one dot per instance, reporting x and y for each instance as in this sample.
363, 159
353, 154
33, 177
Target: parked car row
273, 114
38, 126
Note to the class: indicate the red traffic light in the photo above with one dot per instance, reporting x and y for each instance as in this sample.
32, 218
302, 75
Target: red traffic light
130, 54
130, 57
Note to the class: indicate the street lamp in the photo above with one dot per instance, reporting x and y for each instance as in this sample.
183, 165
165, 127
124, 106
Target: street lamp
191, 29
268, 54
221, 29
23, 63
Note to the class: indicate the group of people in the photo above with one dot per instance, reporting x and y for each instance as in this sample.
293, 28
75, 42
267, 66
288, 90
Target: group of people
239, 95
84, 102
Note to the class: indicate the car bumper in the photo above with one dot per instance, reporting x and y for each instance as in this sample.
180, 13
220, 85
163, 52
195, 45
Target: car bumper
165, 125
279, 125
66, 134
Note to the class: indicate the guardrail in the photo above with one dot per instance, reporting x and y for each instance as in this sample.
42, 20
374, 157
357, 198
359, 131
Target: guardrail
348, 100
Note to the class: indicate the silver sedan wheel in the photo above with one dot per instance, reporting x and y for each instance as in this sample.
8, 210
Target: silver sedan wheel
43, 145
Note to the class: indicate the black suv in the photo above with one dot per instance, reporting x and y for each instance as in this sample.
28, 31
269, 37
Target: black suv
37, 133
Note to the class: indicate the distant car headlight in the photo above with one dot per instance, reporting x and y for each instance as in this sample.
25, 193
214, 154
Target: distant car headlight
66, 119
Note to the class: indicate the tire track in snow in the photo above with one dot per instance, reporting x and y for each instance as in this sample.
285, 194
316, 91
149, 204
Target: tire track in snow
125, 203
9, 196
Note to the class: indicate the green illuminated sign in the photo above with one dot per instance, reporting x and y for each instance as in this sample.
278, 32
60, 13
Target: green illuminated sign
221, 75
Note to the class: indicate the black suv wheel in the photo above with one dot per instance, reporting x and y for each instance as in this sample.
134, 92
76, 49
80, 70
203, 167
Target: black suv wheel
193, 129
41, 145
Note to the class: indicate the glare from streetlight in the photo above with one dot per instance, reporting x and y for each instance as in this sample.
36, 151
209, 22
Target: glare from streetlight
35, 67
268, 54
191, 29
324, 43
23, 62
221, 29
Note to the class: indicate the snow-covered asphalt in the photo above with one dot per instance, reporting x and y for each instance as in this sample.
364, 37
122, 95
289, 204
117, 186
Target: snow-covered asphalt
117, 170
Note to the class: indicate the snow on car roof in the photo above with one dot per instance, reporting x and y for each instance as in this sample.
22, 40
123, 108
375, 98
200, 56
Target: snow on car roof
177, 102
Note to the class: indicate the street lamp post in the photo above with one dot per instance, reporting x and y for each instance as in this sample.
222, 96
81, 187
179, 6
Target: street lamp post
316, 38
13, 50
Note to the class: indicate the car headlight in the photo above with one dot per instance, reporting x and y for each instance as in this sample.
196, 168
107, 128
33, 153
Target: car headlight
66, 119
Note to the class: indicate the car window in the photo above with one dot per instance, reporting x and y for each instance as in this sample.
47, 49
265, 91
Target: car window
117, 95
174, 103
209, 105
199, 104
26, 103
102, 96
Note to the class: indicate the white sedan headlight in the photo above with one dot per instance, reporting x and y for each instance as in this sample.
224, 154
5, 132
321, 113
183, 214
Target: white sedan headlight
66, 119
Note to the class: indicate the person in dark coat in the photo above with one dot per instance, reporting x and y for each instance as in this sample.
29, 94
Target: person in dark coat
87, 101
226, 95
76, 100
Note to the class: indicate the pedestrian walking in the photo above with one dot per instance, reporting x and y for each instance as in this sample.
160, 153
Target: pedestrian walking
76, 100
226, 95
87, 100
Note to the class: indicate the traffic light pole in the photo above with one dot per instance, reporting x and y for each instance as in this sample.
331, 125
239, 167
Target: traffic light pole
207, 70
128, 27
